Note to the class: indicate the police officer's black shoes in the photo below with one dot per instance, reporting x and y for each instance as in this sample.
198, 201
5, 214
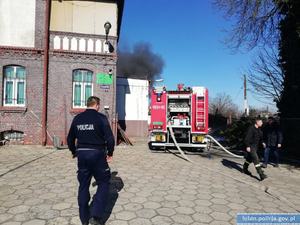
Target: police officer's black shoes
245, 169
95, 221
261, 174
264, 165
247, 172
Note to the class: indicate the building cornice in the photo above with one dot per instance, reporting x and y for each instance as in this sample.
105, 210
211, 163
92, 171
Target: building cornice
9, 49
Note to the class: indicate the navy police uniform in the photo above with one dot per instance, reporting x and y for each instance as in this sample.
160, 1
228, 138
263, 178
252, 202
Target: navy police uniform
91, 139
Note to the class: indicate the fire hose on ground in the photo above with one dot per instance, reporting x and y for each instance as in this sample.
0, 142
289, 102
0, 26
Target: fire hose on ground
178, 147
207, 136
223, 148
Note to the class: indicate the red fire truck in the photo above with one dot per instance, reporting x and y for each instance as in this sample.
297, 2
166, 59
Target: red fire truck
178, 117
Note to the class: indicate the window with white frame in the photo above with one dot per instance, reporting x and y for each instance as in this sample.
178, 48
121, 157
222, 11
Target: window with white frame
14, 81
82, 87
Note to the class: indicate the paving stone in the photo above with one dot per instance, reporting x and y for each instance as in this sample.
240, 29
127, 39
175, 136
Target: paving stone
11, 223
145, 213
219, 201
254, 205
150, 188
116, 208
61, 206
156, 199
22, 217
47, 215
201, 217
220, 208
236, 206
166, 211
162, 220
75, 220
169, 204
4, 217
151, 205
12, 203
40, 208
19, 209
140, 221
220, 216
172, 197
203, 209
138, 199
219, 195
198, 223
203, 196
203, 202
184, 210
58, 221
220, 222
35, 222
125, 215
182, 219
174, 192
188, 203
236, 200
118, 222
133, 206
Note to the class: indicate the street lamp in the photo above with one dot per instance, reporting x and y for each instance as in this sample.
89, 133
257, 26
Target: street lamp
107, 27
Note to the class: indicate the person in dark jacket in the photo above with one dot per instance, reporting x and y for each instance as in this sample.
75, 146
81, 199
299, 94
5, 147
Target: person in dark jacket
91, 140
273, 141
253, 140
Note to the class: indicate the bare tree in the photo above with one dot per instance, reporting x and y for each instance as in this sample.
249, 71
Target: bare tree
223, 105
256, 21
266, 76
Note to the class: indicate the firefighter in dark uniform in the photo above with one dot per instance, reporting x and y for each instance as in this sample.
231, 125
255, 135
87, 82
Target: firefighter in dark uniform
253, 140
91, 140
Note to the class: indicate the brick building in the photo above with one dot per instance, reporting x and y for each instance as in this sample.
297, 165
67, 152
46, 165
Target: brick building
53, 56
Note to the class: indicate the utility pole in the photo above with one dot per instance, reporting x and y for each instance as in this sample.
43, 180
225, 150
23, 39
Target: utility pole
246, 108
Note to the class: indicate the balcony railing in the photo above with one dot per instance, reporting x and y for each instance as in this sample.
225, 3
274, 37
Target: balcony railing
84, 43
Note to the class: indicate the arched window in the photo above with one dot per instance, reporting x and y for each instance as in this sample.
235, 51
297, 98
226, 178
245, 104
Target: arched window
14, 86
82, 87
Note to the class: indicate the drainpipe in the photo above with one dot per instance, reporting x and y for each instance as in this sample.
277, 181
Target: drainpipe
45, 74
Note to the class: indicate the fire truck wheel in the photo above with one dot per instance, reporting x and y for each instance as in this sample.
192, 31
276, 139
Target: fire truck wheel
151, 147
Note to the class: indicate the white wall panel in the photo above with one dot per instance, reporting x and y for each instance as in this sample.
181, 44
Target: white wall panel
17, 23
132, 99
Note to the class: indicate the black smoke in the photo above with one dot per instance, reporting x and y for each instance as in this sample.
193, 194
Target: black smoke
140, 62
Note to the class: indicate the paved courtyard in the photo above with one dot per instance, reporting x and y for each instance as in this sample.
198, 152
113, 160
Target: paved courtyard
38, 186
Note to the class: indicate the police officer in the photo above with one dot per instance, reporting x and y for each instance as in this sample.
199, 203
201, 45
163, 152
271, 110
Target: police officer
91, 140
254, 138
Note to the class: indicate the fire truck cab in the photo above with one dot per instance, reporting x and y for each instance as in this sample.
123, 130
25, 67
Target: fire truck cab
181, 114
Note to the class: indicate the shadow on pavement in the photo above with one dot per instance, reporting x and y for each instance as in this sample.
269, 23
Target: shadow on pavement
234, 165
116, 185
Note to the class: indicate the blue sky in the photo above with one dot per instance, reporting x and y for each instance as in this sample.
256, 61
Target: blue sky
189, 36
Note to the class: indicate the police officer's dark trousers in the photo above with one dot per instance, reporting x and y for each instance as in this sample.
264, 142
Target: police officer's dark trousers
253, 157
92, 163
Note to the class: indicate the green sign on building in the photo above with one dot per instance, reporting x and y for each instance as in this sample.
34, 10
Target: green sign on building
104, 79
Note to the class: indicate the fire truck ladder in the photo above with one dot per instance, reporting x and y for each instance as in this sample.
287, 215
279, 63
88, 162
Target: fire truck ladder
200, 112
